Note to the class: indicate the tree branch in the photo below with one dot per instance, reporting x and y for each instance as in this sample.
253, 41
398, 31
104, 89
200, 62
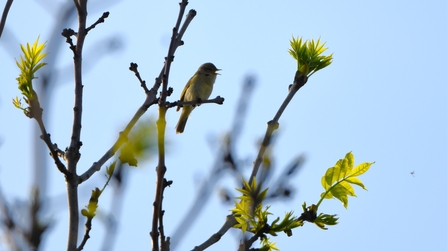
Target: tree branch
100, 20
161, 127
88, 228
298, 82
36, 112
217, 100
4, 16
72, 153
229, 223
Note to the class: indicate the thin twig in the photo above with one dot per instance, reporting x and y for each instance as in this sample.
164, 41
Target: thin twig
4, 16
88, 228
150, 100
164, 242
298, 82
37, 113
229, 223
248, 243
96, 166
134, 68
100, 20
178, 42
217, 100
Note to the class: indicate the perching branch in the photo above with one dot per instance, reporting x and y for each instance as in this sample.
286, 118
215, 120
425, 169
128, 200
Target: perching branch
157, 226
217, 100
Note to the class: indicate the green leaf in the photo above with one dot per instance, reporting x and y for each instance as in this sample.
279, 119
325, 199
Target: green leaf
361, 168
338, 179
111, 169
326, 219
356, 181
90, 212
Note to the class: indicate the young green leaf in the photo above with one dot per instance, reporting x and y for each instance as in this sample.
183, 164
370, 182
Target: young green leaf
338, 179
29, 64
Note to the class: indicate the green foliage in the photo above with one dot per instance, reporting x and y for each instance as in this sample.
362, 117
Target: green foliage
310, 214
248, 211
139, 144
308, 55
267, 245
251, 216
337, 184
90, 212
338, 179
286, 225
29, 64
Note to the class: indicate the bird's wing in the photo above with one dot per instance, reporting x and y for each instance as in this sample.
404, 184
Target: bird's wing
182, 96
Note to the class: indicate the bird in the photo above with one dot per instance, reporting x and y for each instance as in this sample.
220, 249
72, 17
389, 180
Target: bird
198, 87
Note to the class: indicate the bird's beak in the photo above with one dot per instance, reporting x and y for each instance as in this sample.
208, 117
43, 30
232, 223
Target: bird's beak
217, 71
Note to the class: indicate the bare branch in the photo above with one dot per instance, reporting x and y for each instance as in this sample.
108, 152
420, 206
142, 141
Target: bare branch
134, 68
298, 82
36, 112
100, 20
88, 228
217, 100
118, 143
229, 223
4, 16
72, 154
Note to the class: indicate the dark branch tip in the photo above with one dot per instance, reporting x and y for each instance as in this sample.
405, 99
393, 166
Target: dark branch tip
192, 12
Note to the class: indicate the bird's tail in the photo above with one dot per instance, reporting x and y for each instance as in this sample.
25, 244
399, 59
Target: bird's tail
183, 119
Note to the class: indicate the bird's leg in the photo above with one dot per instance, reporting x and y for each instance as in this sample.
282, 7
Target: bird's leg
199, 101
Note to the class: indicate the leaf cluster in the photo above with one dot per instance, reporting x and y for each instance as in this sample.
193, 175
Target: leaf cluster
29, 64
308, 55
310, 214
251, 216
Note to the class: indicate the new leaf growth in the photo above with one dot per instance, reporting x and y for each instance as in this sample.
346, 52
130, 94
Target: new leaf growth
308, 55
29, 64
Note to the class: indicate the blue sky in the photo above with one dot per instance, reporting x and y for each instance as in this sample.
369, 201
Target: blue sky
383, 98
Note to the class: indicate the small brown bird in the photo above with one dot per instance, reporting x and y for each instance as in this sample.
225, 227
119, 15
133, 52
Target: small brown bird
200, 87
